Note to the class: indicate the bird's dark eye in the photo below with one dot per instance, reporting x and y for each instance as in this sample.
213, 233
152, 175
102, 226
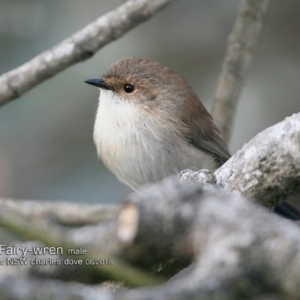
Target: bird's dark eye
128, 88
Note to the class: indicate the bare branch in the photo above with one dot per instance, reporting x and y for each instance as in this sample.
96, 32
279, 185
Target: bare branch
54, 237
236, 243
234, 240
82, 45
64, 213
267, 168
241, 43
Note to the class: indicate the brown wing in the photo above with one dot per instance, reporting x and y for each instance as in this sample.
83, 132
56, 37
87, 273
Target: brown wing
214, 146
200, 131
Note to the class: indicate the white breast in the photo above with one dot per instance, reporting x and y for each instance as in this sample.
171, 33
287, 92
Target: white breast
117, 138
114, 120
137, 149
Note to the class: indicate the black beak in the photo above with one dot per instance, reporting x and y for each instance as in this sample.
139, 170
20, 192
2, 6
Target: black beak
99, 83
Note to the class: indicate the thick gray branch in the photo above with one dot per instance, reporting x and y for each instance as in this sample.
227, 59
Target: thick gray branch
237, 245
267, 168
241, 43
82, 45
240, 250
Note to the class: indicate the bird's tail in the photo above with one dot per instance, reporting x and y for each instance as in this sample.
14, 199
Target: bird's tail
288, 211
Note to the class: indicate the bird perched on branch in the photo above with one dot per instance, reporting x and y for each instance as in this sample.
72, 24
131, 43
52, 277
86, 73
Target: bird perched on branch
150, 124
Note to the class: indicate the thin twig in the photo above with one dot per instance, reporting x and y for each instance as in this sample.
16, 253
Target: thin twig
241, 43
63, 213
82, 45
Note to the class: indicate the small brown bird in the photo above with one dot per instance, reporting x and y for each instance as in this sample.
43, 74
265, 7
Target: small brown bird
150, 124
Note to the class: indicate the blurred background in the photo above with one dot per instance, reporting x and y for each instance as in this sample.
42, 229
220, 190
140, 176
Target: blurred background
46, 145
